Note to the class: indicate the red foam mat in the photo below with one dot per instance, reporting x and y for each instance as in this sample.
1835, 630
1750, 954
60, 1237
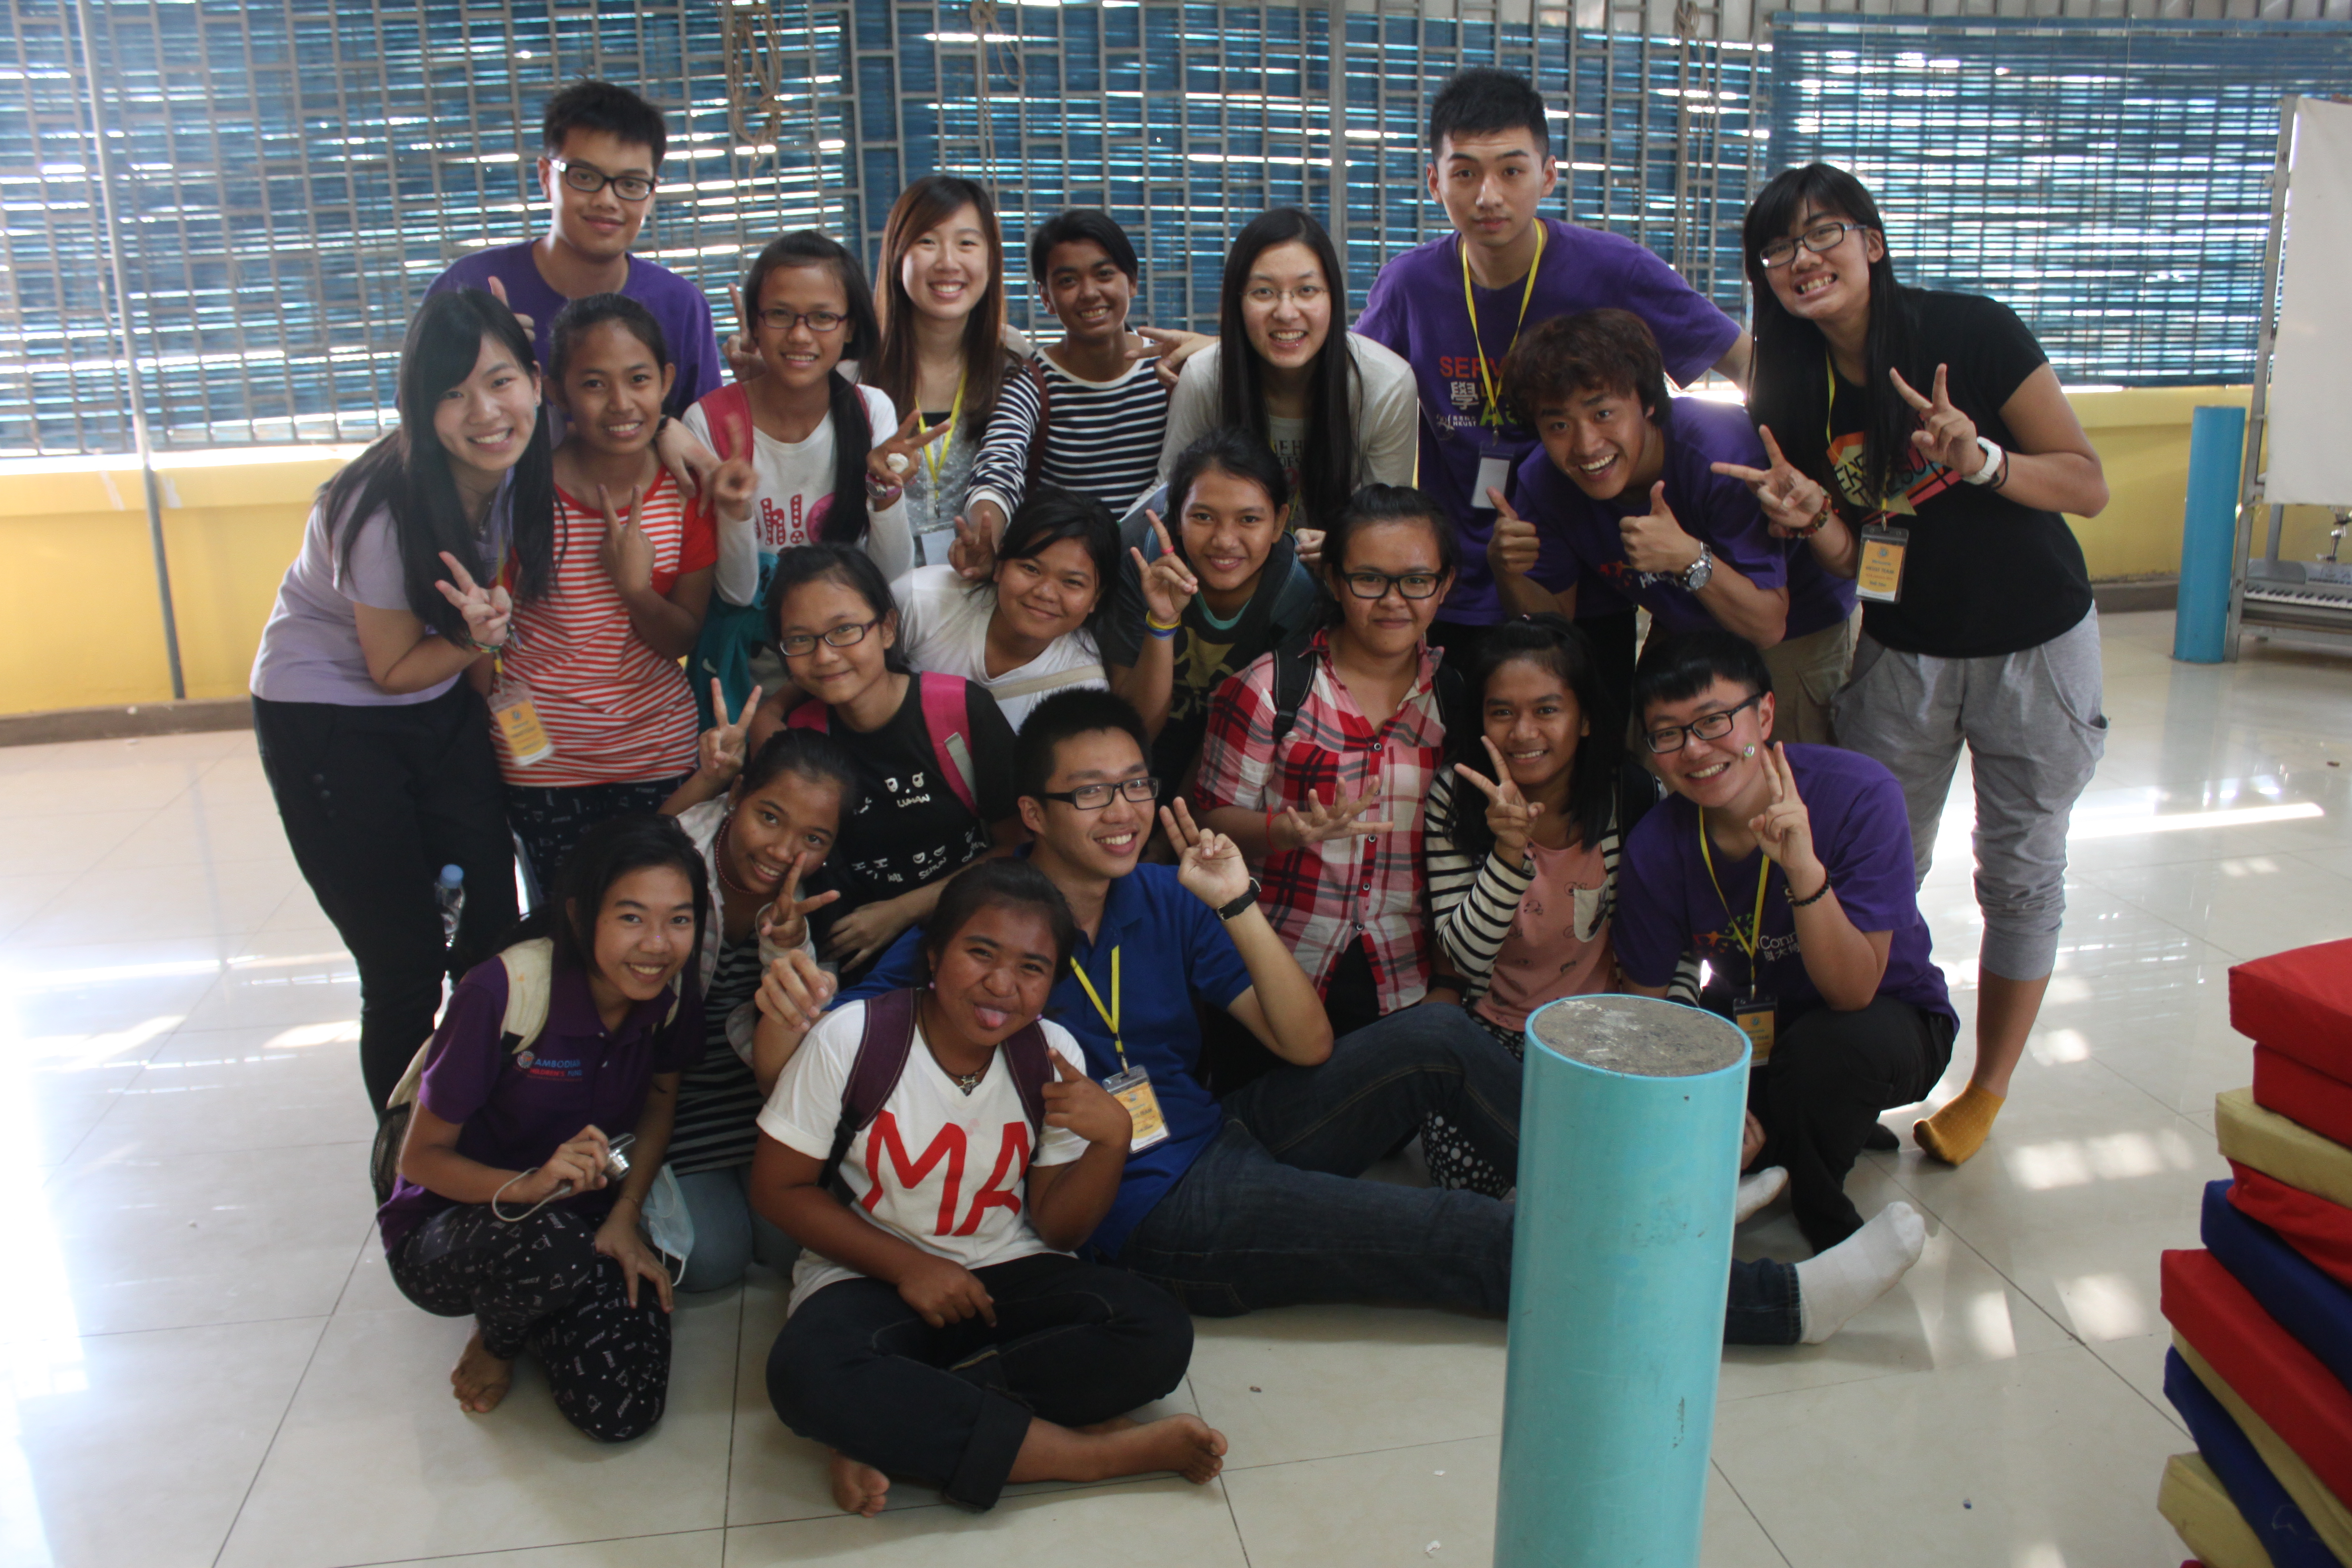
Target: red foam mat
2299, 1003
2286, 1385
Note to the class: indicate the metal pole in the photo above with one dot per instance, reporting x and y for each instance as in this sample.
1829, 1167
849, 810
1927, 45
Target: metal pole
2249, 473
1629, 1161
130, 357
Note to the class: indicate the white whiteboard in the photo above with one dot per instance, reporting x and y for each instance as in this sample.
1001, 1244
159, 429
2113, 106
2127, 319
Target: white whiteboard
2310, 402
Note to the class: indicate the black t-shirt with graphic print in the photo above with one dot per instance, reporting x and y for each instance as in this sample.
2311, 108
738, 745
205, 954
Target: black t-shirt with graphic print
1983, 575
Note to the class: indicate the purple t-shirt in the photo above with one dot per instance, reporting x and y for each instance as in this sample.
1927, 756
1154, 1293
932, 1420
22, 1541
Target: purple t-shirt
1667, 902
1581, 544
514, 1110
676, 304
1416, 309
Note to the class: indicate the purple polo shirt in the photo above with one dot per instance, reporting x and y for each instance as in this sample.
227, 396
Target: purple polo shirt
513, 1112
1581, 544
1667, 903
676, 304
1416, 309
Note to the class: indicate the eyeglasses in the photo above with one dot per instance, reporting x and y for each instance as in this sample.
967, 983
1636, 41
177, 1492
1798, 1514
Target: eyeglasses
587, 179
1821, 237
848, 635
1094, 796
1706, 727
1376, 585
820, 322
1267, 294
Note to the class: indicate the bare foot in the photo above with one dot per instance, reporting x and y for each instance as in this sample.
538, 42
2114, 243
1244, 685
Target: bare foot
1104, 1428
480, 1379
1184, 1443
859, 1489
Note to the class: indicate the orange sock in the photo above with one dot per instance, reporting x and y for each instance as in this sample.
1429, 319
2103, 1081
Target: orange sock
1958, 1130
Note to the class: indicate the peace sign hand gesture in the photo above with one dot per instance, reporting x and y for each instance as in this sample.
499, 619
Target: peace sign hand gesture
1322, 821
973, 553
1946, 436
1784, 827
1790, 502
887, 466
1512, 548
627, 553
1168, 584
733, 484
784, 923
743, 361
498, 292
1509, 813
486, 610
1208, 865
723, 746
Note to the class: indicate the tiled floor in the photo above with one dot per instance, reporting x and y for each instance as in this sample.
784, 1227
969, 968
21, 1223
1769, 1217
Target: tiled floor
207, 1363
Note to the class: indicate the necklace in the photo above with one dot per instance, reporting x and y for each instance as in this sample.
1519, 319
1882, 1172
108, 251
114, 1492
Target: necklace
968, 1081
719, 858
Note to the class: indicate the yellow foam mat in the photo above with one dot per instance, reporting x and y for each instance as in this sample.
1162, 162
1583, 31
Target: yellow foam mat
2194, 1503
2329, 1517
2278, 1147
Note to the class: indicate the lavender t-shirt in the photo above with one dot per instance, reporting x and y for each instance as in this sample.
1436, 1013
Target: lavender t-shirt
310, 648
1581, 544
514, 1110
1416, 309
676, 304
1666, 903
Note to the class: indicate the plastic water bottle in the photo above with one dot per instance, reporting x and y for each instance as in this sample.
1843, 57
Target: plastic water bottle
449, 892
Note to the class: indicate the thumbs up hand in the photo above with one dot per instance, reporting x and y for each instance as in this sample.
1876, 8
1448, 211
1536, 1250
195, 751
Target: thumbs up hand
1656, 543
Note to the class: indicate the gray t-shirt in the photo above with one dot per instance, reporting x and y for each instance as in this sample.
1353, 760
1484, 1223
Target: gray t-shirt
310, 648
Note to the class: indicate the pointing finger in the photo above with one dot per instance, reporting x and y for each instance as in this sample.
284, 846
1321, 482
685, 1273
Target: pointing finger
1771, 446
498, 291
735, 297
1160, 530
1501, 768
718, 703
1752, 477
458, 570
1943, 387
1484, 785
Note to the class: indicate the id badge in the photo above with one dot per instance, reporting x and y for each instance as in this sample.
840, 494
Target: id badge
1132, 1088
1879, 576
518, 720
1755, 1015
1494, 473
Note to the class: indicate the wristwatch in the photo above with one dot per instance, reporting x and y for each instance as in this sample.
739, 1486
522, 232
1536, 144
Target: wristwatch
1695, 576
1992, 463
1227, 912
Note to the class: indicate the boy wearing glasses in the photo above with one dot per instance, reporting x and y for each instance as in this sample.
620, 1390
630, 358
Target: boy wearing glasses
1788, 869
599, 149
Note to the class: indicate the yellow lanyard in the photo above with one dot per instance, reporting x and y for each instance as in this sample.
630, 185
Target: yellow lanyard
1493, 414
935, 456
1753, 937
1109, 1014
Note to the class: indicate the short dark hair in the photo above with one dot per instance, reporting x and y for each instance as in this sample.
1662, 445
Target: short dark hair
1376, 504
1592, 351
1048, 515
594, 311
812, 754
1082, 224
606, 852
845, 563
1482, 100
1679, 665
603, 106
986, 884
1064, 716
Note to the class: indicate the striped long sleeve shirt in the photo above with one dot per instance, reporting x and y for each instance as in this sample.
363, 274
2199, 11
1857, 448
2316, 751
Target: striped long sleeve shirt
1102, 438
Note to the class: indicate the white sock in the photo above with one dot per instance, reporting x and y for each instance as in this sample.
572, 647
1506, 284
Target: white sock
1858, 1270
1758, 1189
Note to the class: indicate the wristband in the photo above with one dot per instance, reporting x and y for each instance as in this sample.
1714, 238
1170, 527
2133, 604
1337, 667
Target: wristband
1994, 455
1815, 897
1156, 629
1242, 905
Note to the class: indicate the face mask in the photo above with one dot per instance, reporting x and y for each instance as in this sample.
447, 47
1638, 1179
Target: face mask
667, 1224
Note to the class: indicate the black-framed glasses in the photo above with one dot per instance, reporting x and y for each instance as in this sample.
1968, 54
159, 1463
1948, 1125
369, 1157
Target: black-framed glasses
1094, 796
820, 322
1706, 727
847, 634
588, 179
1376, 585
1821, 237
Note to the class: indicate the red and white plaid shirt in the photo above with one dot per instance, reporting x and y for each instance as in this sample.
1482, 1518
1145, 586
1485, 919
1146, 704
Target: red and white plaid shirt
1326, 896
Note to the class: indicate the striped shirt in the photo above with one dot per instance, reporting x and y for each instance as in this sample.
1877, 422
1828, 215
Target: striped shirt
1102, 438
718, 1099
617, 711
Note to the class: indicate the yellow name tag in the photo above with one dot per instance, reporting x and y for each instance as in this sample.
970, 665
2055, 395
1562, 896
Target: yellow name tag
1879, 576
517, 718
1754, 1014
1132, 1088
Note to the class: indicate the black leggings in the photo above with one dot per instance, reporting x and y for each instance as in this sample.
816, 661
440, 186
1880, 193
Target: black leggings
375, 801
1074, 1344
549, 819
541, 1285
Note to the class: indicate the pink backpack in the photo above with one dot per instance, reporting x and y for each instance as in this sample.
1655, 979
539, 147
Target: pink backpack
946, 717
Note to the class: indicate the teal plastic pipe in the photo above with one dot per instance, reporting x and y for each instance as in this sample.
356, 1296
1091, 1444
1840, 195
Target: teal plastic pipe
1629, 1163
2208, 535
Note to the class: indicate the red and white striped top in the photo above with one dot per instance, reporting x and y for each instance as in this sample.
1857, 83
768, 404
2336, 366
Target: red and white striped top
618, 711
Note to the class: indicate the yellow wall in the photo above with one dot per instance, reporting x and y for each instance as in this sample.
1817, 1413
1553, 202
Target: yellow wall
79, 624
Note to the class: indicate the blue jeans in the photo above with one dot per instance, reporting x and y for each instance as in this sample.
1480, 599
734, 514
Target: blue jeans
1272, 1214
727, 1234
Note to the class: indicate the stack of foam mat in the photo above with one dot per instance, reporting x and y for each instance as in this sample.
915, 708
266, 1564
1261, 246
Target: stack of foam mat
2261, 1365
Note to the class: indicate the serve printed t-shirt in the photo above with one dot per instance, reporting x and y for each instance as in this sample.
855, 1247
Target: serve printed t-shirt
1582, 545
795, 491
617, 711
943, 628
942, 1170
1983, 575
1667, 902
676, 304
1416, 309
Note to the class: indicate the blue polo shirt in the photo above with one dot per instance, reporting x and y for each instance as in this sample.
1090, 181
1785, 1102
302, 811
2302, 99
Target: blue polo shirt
1172, 949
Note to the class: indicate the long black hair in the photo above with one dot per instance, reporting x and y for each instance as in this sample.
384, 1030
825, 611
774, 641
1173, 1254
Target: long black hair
1327, 470
1790, 390
406, 472
920, 209
1553, 644
845, 519
606, 852
1045, 516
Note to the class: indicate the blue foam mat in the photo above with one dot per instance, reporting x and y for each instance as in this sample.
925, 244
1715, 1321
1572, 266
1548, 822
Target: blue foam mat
2309, 1304
2273, 1515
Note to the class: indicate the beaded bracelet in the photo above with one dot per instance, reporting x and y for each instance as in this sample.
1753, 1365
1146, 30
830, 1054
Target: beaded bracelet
1813, 897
